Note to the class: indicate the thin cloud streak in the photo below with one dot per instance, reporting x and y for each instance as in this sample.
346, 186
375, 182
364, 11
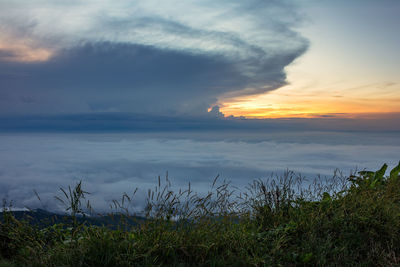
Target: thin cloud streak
210, 122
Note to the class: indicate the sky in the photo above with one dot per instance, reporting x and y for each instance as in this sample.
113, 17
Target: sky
351, 65
257, 59
141, 56
119, 92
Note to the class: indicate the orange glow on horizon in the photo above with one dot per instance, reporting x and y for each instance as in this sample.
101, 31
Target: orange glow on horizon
287, 102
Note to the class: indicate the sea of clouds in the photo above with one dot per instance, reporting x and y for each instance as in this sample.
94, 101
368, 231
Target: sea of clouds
111, 164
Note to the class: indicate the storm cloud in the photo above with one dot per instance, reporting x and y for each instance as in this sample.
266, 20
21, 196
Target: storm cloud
142, 56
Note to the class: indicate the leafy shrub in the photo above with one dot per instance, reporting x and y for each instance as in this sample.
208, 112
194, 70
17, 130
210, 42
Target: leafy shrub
284, 221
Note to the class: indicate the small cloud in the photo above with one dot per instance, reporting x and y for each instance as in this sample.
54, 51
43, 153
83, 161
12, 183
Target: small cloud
215, 112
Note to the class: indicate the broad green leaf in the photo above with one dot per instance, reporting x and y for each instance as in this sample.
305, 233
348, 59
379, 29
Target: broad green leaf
394, 173
373, 184
379, 174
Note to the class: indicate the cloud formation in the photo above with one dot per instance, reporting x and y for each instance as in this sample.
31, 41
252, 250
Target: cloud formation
109, 122
170, 57
112, 164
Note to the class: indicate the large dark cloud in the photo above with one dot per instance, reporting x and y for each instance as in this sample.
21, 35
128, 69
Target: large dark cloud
130, 78
169, 57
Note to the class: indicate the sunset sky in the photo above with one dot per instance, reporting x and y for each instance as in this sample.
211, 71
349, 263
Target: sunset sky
118, 92
351, 66
256, 59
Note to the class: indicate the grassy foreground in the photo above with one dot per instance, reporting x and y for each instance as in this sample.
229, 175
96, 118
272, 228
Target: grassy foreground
286, 221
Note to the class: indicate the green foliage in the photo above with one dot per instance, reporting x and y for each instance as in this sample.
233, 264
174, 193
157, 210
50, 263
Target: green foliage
373, 180
394, 173
284, 221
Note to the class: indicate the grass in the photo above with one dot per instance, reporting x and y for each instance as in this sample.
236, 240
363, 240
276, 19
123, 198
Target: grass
285, 221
